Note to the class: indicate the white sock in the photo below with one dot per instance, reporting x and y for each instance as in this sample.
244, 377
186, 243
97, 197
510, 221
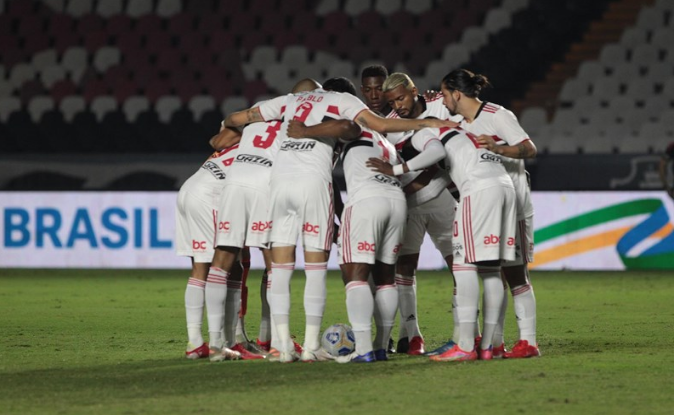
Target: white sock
264, 328
232, 303
214, 296
280, 303
499, 335
274, 337
376, 311
194, 310
456, 322
524, 308
467, 301
359, 303
386, 302
494, 292
314, 301
408, 305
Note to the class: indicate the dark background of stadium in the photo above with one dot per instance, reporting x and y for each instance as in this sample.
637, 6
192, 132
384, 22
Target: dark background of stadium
591, 81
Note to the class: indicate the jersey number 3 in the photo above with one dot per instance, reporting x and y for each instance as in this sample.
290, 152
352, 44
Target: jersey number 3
271, 134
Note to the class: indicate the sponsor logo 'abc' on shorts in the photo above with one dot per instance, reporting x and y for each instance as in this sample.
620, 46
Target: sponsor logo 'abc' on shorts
224, 226
261, 226
494, 240
366, 247
199, 245
310, 228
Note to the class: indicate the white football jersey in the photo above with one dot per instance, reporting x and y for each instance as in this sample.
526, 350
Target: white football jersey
303, 157
500, 123
471, 168
258, 149
361, 181
431, 108
211, 175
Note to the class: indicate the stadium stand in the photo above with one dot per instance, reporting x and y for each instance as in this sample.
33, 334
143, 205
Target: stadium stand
148, 76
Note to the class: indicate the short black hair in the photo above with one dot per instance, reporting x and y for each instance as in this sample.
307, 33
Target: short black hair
340, 84
374, 71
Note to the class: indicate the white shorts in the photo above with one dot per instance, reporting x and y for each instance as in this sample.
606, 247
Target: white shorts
302, 207
371, 230
486, 226
525, 242
434, 217
195, 225
242, 217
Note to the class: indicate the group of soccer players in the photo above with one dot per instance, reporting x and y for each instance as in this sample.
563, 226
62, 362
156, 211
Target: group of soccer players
406, 158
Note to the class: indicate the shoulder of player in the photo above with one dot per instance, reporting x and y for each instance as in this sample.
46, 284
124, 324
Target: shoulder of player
439, 97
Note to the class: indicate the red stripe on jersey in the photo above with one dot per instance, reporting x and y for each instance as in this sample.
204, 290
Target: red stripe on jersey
443, 130
283, 109
400, 145
366, 134
228, 149
333, 110
434, 98
472, 138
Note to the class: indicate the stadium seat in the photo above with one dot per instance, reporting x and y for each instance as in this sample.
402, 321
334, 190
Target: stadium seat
106, 57
474, 37
626, 72
74, 60
52, 74
102, 105
55, 5
640, 144
417, 6
70, 106
109, 8
612, 55
166, 106
605, 88
201, 104
43, 59
590, 71
640, 89
138, 8
533, 118
233, 104
356, 7
455, 54
168, 8
387, 7
327, 6
514, 6
294, 57
8, 105
78, 8
38, 106
496, 20
133, 106
648, 18
633, 37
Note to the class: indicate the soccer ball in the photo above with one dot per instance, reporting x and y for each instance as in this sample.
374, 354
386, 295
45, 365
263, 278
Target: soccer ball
338, 340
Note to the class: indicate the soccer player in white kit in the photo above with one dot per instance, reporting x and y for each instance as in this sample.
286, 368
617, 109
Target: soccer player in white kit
195, 233
499, 131
371, 229
430, 209
485, 235
302, 197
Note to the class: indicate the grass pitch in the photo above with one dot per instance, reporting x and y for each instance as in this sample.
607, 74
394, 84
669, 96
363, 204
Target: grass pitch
112, 342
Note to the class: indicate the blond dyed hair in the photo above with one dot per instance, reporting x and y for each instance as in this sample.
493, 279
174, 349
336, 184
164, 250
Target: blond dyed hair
395, 80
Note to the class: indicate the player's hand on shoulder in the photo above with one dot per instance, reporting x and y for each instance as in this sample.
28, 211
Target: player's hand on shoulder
296, 129
487, 142
379, 165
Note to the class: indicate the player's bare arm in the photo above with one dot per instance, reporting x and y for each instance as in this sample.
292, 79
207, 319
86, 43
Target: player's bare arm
524, 150
239, 118
334, 129
369, 119
225, 138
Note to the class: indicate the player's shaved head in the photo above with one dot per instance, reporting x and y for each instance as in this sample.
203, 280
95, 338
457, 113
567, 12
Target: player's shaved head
304, 85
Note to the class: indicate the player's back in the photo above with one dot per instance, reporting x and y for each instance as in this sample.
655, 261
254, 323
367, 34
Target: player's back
312, 157
258, 149
471, 167
361, 181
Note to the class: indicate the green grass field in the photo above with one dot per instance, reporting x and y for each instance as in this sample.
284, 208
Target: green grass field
112, 342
